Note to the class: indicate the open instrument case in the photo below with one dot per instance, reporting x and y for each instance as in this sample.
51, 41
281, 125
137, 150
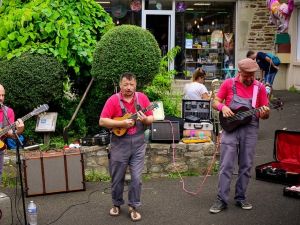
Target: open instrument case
285, 168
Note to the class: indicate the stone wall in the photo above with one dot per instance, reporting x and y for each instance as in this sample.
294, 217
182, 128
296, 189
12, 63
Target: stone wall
262, 33
159, 158
158, 161
253, 30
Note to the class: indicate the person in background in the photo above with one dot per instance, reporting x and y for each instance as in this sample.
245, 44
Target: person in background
7, 117
196, 90
243, 90
267, 67
129, 149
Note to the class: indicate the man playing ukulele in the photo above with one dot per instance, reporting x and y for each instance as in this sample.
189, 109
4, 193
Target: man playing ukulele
7, 113
129, 149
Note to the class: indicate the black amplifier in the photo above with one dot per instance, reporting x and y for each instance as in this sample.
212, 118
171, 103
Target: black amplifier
98, 139
196, 111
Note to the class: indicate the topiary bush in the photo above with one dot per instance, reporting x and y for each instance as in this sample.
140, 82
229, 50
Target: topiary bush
31, 80
126, 48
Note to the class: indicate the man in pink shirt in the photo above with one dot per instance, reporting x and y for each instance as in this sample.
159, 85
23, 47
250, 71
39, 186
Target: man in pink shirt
241, 91
129, 149
7, 117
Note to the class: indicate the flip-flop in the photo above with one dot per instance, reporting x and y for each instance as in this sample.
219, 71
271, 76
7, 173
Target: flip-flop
115, 211
134, 215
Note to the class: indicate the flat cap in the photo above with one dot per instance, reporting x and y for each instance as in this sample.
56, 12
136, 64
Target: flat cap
248, 65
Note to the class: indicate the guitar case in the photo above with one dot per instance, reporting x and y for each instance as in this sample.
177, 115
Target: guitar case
103, 138
285, 168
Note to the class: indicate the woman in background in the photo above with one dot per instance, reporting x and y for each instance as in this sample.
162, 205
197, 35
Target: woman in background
197, 90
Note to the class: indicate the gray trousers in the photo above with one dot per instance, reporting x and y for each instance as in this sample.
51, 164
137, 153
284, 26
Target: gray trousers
241, 143
128, 150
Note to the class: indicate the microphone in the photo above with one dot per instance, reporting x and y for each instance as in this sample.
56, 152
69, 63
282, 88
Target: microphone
1, 105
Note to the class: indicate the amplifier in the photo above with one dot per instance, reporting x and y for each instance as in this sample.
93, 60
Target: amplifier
202, 126
53, 172
196, 111
164, 131
5, 209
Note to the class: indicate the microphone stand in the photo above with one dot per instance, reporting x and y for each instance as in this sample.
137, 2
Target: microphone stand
18, 144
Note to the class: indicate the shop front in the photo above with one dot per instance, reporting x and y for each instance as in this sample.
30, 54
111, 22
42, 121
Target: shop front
205, 31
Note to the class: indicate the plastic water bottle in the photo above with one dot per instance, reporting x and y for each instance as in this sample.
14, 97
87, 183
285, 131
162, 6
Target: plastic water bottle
32, 213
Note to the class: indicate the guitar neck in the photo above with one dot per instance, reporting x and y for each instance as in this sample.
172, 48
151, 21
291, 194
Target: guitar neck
134, 116
251, 112
13, 125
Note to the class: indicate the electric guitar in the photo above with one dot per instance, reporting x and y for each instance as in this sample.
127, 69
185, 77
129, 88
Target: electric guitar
40, 109
242, 116
120, 131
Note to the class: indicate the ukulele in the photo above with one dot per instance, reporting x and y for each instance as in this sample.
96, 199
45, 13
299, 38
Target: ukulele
242, 116
120, 131
35, 112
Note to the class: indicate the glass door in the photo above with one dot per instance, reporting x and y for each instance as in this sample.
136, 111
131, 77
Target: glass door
159, 26
159, 19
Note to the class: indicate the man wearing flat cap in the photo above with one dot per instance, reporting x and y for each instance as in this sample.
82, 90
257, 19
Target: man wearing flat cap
239, 137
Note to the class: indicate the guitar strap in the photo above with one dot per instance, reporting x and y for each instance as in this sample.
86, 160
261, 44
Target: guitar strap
136, 104
4, 121
256, 89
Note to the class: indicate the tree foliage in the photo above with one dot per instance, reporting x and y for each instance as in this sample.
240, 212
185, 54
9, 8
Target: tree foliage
65, 29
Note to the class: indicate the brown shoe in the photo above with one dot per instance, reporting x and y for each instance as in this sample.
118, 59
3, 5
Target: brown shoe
115, 211
134, 214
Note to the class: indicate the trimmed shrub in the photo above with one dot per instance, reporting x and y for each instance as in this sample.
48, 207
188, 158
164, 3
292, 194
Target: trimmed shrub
32, 80
126, 48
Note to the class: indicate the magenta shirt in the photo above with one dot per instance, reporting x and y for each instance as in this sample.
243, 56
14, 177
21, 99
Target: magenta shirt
10, 115
226, 93
113, 109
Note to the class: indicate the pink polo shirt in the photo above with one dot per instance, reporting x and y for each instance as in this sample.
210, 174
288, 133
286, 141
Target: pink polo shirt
113, 109
10, 115
226, 93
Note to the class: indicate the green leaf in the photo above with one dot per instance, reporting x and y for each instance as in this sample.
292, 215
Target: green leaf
49, 27
12, 36
64, 33
4, 44
9, 56
41, 51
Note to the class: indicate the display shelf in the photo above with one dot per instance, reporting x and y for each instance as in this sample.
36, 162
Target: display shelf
210, 59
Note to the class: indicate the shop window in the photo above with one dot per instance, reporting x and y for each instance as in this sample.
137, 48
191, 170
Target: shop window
123, 11
158, 4
298, 34
205, 33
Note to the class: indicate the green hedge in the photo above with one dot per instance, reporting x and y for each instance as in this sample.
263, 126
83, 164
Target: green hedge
126, 48
31, 80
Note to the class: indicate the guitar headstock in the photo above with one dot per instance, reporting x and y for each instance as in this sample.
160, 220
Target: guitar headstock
40, 109
277, 104
154, 105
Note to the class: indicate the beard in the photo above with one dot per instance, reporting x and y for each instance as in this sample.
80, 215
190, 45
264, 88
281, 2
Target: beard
248, 83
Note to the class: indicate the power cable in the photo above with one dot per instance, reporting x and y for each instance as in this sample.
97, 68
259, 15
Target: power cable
73, 205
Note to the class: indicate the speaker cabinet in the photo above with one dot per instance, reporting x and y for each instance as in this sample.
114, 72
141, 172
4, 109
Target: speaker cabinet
53, 172
164, 131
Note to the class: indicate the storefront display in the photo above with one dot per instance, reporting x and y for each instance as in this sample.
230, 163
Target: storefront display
200, 31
